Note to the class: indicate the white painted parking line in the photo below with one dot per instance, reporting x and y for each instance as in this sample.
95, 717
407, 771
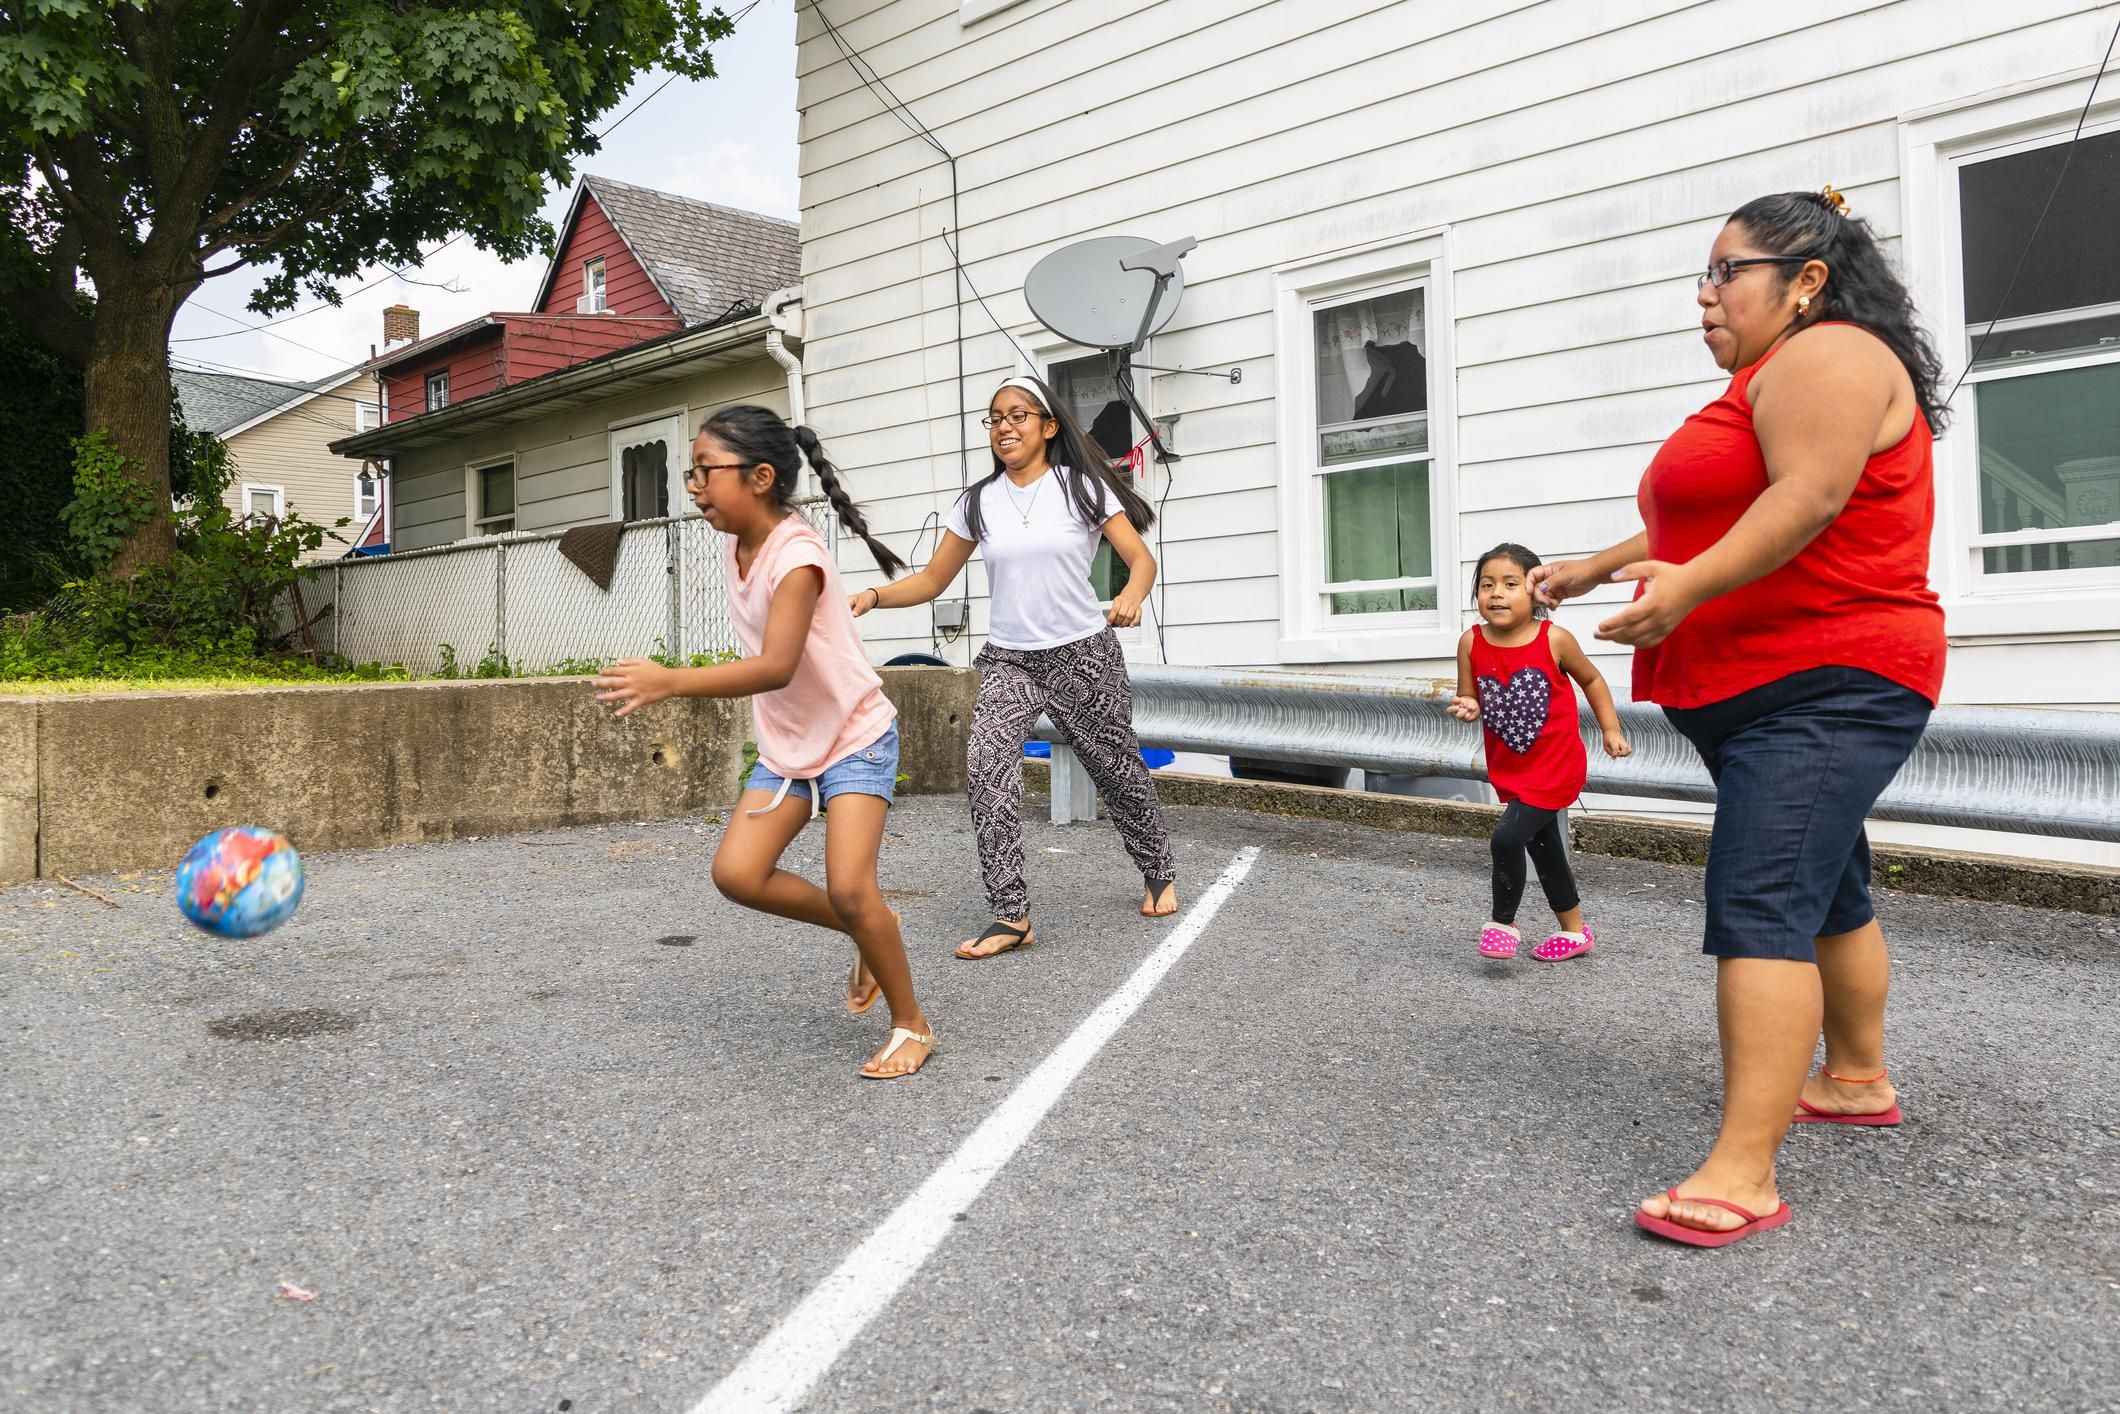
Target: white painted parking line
783, 1368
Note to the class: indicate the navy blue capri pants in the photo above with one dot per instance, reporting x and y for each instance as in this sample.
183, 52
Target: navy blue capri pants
1797, 765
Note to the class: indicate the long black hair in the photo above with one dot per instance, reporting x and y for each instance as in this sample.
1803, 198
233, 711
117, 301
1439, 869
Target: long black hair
1082, 463
1861, 286
759, 437
1516, 555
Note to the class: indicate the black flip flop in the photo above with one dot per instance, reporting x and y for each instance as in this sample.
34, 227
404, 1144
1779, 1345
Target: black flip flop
1155, 888
1017, 938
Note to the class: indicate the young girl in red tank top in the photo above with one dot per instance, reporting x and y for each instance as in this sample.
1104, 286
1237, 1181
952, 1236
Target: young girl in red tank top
1513, 673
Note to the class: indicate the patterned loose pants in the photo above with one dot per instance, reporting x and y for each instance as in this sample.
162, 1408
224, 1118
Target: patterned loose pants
1083, 687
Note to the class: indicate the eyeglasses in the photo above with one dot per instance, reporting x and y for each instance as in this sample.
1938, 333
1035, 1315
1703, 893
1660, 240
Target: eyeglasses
1015, 417
1722, 272
701, 473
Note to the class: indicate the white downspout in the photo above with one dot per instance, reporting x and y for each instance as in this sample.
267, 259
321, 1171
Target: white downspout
784, 312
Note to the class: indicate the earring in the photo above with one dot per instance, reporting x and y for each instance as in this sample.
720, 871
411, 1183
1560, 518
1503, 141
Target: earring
1803, 304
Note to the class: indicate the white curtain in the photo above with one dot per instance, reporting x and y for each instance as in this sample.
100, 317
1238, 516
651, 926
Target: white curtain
1344, 333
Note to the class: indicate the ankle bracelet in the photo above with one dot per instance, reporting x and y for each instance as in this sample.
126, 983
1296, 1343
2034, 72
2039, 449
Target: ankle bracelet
1849, 1080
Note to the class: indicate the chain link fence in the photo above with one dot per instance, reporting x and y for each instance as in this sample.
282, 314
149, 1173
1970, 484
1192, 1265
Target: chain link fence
516, 599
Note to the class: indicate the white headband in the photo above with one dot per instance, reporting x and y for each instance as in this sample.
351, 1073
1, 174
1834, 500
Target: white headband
1027, 386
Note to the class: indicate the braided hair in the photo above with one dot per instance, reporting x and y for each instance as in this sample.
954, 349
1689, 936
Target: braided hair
1861, 287
1082, 465
759, 437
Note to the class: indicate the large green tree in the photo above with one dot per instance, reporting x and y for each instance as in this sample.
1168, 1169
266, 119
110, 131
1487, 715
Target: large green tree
150, 146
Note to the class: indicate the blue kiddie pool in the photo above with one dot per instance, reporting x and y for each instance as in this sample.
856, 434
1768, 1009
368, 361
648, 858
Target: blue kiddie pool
1152, 756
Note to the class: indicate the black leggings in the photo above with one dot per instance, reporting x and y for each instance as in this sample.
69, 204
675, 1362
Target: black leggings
1525, 828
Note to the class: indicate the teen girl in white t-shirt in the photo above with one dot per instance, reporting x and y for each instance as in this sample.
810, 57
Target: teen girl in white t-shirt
1037, 520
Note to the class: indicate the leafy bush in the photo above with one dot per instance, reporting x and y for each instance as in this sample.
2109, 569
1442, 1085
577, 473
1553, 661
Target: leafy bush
31, 650
219, 596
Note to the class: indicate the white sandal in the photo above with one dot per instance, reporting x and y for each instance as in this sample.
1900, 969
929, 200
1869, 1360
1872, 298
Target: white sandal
899, 1036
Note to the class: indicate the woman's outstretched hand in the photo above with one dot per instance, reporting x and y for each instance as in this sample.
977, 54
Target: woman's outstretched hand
1666, 601
633, 683
863, 600
1561, 579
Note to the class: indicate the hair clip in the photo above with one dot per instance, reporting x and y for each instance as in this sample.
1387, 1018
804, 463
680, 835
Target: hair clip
1834, 201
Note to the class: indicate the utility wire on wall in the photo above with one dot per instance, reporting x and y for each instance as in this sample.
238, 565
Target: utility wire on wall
2068, 155
960, 278
896, 106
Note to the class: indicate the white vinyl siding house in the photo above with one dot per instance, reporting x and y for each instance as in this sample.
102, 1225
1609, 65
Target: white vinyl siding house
1499, 207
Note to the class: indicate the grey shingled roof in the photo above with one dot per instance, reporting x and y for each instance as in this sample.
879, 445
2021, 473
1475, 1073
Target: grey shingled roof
707, 259
215, 402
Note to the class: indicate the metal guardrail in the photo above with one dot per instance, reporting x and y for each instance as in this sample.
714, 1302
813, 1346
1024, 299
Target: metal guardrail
2032, 772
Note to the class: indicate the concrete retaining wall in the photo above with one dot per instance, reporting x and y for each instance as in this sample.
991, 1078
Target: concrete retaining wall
130, 780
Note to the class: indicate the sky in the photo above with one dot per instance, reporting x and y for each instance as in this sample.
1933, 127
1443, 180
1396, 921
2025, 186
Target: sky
729, 139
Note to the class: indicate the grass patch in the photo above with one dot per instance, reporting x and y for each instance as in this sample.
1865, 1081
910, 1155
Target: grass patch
56, 687
37, 659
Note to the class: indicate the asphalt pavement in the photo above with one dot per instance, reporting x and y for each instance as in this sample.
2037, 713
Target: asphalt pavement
543, 1123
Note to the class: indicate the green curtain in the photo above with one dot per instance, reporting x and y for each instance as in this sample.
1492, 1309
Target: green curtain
1377, 527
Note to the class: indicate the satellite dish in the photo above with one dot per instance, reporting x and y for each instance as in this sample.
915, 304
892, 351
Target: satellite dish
1111, 293
1087, 294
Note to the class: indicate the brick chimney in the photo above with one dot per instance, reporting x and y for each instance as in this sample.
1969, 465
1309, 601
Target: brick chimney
401, 325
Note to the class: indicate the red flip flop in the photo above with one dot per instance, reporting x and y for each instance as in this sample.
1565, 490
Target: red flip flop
1884, 1119
1703, 1237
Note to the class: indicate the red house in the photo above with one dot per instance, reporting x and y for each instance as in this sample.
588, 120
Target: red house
654, 311
632, 265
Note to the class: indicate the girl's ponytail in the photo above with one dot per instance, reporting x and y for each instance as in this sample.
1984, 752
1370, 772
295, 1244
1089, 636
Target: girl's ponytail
849, 514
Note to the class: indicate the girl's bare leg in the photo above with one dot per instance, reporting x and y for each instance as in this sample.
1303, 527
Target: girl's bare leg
747, 871
747, 866
853, 836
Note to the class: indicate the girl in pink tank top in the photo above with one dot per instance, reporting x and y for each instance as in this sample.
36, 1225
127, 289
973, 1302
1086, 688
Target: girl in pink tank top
826, 733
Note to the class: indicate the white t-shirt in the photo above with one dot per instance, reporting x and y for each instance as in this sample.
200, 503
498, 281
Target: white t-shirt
1038, 553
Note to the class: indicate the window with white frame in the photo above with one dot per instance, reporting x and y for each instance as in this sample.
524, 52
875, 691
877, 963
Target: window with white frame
367, 493
492, 498
367, 416
2040, 338
1092, 395
1369, 459
437, 390
264, 502
593, 286
1367, 529
644, 480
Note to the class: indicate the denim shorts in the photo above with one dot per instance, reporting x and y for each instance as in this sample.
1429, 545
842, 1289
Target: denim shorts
1797, 765
873, 770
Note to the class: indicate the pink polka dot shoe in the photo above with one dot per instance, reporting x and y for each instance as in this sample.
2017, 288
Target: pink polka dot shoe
1562, 946
1498, 940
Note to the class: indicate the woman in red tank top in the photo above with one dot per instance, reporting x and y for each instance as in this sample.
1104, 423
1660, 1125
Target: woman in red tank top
1783, 619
